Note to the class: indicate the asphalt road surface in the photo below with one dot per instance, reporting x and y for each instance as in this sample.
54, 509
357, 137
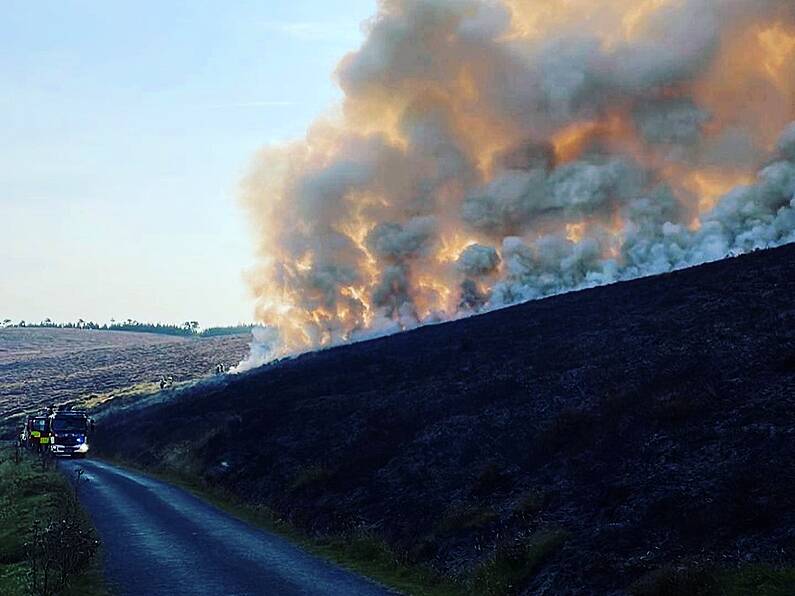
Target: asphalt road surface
159, 539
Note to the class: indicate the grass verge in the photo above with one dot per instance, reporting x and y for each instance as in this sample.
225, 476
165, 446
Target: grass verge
37, 504
515, 563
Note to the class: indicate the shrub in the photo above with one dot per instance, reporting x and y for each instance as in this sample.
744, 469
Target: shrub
58, 552
46, 542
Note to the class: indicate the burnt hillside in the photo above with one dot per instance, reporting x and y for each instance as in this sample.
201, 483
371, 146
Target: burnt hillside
646, 423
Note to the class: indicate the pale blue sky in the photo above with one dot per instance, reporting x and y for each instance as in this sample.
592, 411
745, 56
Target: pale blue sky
125, 128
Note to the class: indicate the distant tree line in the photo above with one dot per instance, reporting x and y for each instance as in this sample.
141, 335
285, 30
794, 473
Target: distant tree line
187, 329
232, 330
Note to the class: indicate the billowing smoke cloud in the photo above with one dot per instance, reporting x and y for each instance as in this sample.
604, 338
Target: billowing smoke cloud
489, 152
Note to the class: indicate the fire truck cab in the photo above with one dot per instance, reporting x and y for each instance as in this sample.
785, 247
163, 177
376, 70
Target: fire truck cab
36, 433
70, 432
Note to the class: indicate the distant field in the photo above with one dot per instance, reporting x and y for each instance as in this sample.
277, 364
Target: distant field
39, 367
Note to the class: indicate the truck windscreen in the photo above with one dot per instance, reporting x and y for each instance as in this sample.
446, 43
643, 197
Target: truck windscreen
75, 425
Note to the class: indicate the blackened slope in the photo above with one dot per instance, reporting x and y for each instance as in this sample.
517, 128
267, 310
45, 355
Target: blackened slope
653, 420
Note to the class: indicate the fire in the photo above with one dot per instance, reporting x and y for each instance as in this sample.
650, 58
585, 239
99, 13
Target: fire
569, 142
572, 140
488, 152
575, 231
452, 245
434, 296
709, 185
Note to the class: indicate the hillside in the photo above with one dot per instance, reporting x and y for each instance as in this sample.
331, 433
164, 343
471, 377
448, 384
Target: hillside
39, 367
638, 431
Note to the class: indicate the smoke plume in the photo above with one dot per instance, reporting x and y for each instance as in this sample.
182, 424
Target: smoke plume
490, 152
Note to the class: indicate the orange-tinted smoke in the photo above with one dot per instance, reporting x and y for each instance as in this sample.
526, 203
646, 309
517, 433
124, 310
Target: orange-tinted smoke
363, 225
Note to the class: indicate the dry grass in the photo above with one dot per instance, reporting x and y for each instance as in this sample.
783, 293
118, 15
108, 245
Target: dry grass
39, 367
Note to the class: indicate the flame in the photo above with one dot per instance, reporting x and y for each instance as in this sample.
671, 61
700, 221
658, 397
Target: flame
569, 142
614, 130
709, 185
434, 296
441, 92
575, 231
453, 243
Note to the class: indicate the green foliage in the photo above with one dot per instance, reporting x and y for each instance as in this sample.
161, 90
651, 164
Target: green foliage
222, 331
515, 563
58, 551
14, 579
365, 552
43, 532
187, 329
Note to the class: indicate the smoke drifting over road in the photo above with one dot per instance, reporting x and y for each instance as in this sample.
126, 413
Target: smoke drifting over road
493, 152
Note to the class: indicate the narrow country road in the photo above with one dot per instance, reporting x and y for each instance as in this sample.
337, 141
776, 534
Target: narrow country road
159, 539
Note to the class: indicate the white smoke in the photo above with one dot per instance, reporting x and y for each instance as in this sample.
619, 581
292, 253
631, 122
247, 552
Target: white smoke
264, 347
486, 157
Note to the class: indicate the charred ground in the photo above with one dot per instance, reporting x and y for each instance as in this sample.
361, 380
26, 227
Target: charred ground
645, 425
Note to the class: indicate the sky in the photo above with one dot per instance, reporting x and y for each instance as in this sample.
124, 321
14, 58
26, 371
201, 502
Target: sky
125, 129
